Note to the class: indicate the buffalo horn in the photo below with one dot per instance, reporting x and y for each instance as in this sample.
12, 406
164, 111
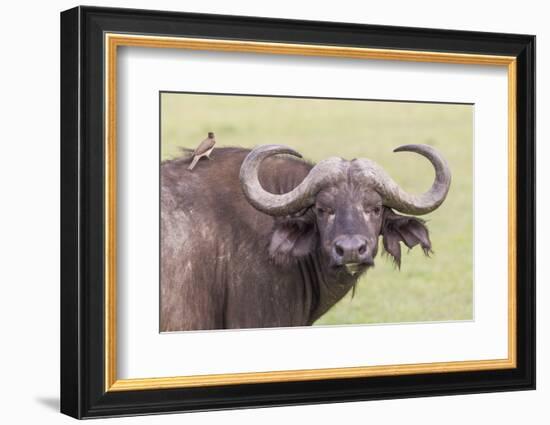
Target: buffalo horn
302, 196
395, 197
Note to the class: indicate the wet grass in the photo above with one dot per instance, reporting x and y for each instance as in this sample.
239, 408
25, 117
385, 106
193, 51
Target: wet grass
425, 289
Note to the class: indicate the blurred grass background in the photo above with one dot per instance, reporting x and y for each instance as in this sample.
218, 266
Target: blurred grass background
438, 288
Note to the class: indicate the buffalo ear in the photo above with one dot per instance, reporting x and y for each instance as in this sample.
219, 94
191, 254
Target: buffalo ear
292, 238
400, 228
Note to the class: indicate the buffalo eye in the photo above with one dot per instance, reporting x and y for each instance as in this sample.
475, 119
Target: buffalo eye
376, 211
324, 210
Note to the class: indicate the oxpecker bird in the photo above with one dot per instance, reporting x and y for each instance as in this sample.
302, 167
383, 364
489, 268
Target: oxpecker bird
204, 149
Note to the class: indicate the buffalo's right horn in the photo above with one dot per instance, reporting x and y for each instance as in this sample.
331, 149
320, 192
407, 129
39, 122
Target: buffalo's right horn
394, 196
302, 196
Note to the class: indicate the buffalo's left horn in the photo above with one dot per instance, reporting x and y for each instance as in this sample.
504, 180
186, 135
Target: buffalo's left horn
395, 197
302, 196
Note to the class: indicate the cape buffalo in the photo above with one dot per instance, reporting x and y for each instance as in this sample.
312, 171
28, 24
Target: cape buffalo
259, 238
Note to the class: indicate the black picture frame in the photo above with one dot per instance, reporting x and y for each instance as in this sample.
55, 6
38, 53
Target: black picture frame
83, 392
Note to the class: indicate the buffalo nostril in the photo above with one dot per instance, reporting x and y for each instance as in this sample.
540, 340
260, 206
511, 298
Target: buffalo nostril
350, 249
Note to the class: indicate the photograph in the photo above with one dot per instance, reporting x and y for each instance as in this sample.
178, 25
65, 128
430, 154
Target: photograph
291, 211
261, 211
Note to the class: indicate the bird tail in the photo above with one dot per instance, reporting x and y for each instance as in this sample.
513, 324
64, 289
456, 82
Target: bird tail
193, 163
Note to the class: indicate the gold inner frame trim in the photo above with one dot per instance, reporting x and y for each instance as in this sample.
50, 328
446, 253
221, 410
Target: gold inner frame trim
113, 41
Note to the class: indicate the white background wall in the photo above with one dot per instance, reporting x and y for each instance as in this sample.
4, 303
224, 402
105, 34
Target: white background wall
29, 224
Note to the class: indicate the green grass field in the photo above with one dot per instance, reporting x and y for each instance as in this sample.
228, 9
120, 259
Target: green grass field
425, 289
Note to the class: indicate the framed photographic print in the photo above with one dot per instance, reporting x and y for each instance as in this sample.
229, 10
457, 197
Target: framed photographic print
261, 212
